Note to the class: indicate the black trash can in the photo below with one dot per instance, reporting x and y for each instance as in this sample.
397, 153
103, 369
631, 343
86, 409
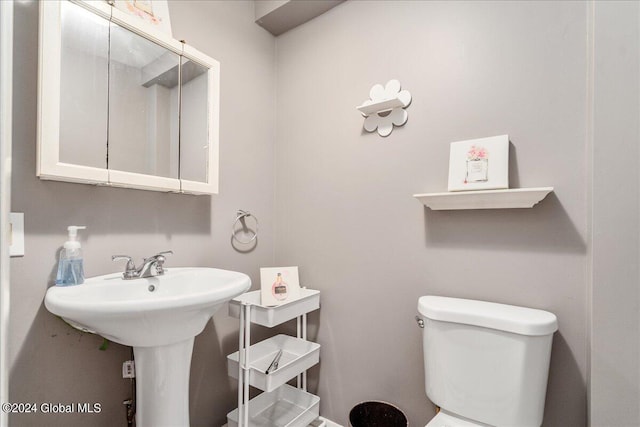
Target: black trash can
377, 414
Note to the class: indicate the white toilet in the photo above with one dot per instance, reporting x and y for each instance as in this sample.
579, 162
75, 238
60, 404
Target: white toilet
486, 364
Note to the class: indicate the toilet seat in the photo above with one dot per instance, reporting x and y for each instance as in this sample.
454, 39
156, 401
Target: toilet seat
444, 419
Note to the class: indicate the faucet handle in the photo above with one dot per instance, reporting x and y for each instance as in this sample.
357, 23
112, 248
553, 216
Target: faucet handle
119, 257
160, 257
130, 269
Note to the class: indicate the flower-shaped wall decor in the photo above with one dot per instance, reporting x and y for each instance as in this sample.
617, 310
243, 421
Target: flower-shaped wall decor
385, 108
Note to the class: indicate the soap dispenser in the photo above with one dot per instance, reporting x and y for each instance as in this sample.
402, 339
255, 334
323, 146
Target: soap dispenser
70, 268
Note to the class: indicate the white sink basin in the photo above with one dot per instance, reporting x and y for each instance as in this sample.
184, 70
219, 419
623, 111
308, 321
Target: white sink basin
147, 312
159, 317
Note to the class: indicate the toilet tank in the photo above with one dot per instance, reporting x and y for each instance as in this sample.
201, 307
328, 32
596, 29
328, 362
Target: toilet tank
485, 361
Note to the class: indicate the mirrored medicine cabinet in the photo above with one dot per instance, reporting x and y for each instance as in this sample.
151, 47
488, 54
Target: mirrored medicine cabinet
122, 104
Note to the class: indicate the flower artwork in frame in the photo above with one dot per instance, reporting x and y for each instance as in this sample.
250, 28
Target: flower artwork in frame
279, 285
153, 12
479, 164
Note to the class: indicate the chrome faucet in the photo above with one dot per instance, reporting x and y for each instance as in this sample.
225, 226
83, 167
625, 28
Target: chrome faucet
152, 266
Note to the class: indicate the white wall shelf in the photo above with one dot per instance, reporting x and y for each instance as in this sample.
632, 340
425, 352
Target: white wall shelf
484, 199
371, 107
385, 108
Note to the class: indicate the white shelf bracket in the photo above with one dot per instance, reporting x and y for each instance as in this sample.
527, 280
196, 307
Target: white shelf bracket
385, 108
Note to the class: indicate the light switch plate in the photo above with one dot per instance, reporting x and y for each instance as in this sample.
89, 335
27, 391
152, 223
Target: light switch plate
16, 222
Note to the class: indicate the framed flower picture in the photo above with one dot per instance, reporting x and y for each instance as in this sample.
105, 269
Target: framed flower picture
279, 285
479, 164
153, 12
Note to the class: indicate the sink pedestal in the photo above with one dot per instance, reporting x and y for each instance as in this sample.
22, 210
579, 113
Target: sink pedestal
162, 384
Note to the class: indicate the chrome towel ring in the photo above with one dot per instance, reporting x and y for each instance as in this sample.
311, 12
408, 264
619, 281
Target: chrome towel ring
241, 217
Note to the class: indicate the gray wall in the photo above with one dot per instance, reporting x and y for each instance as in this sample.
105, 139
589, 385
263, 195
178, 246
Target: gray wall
560, 78
344, 209
615, 302
50, 362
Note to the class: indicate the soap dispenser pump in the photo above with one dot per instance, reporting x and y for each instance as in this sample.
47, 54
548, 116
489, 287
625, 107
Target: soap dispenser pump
70, 268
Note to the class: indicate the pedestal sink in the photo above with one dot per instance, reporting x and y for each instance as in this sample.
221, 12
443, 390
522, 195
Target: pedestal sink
159, 317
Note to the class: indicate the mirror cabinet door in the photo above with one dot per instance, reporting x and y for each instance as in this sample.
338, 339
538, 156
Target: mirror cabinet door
73, 92
83, 87
199, 116
194, 121
143, 106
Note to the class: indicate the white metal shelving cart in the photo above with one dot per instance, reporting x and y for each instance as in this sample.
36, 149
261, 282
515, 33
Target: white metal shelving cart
280, 405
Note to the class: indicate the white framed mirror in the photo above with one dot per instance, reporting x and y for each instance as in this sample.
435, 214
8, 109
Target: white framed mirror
200, 81
122, 104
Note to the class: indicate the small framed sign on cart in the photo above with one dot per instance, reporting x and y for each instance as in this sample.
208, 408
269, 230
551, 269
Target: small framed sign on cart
279, 285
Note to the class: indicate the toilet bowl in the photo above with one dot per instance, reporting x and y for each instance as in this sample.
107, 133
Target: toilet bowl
486, 364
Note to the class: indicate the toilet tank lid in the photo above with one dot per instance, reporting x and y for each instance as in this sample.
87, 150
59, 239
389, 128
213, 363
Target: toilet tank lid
510, 318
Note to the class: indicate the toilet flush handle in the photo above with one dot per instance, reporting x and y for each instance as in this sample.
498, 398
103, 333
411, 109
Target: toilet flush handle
420, 321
